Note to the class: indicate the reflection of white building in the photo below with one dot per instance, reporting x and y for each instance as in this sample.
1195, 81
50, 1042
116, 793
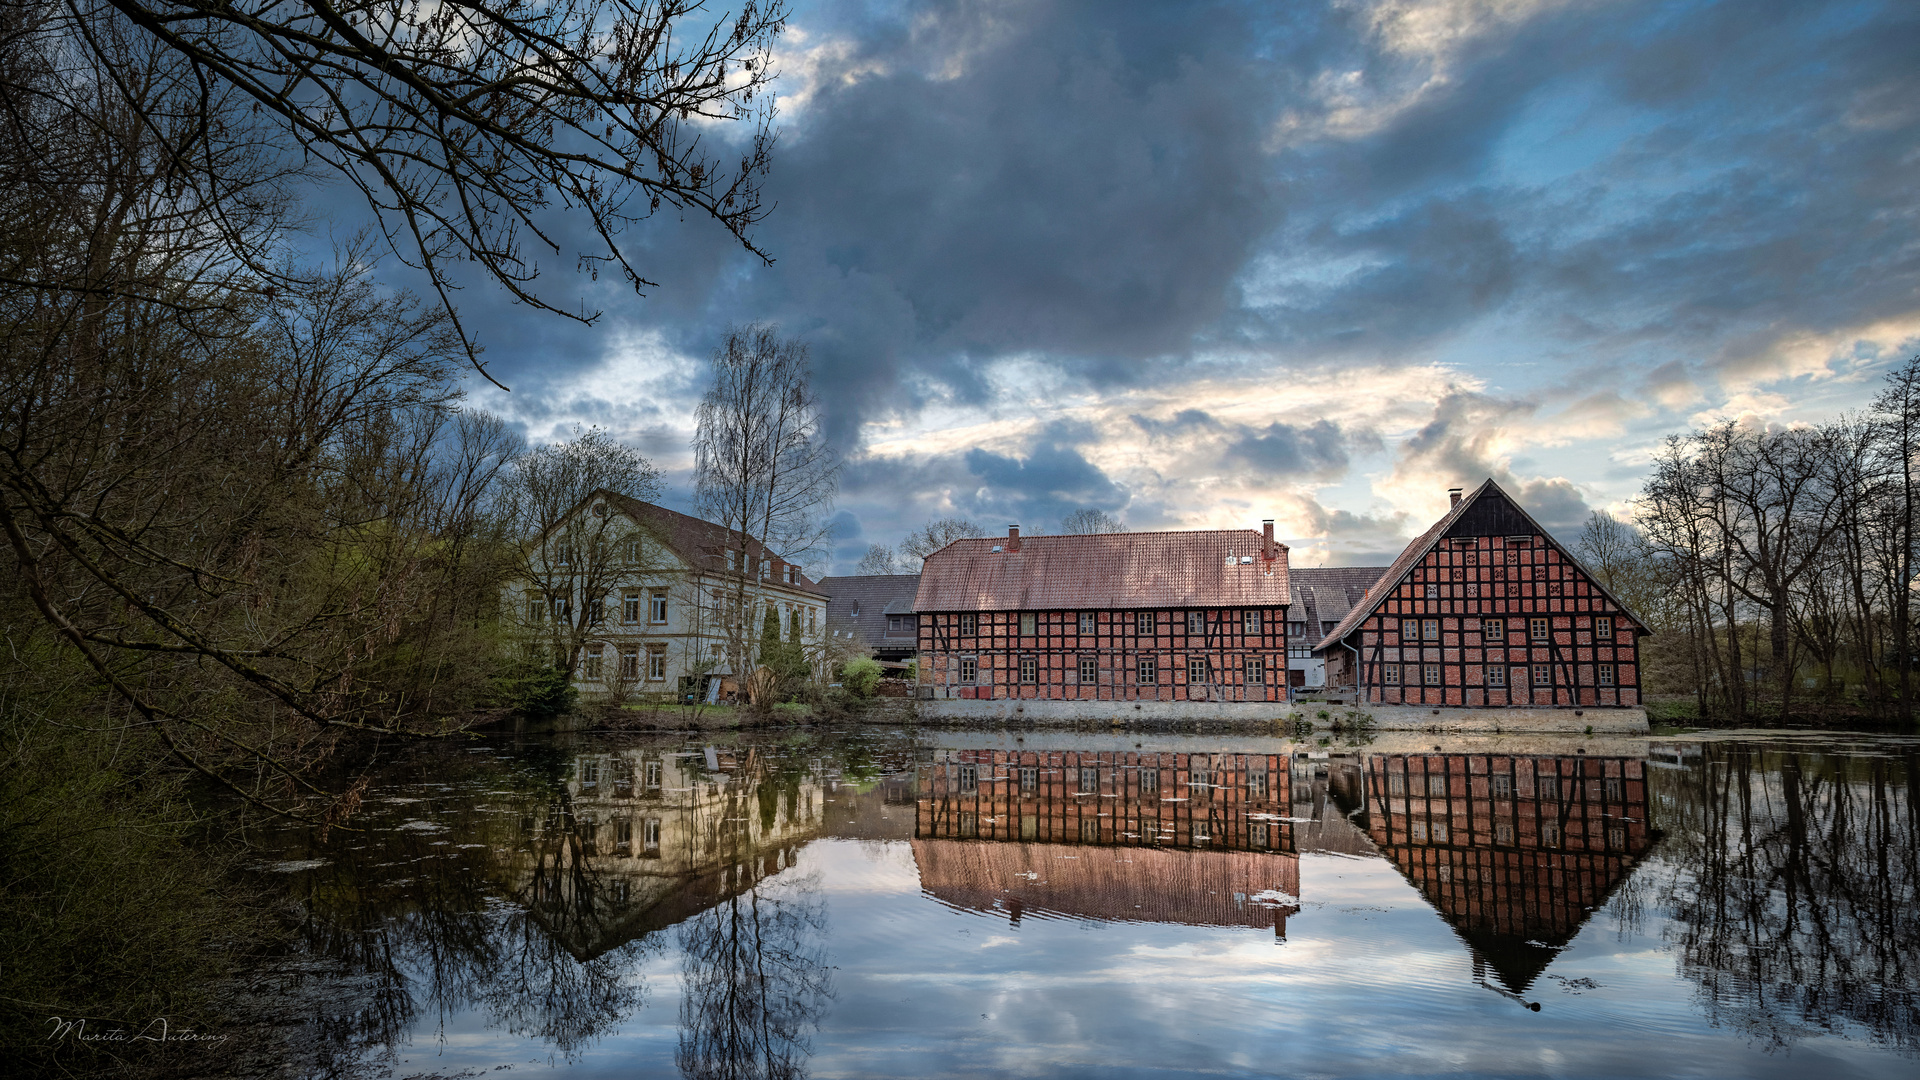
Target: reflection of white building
1322, 596
662, 630
644, 839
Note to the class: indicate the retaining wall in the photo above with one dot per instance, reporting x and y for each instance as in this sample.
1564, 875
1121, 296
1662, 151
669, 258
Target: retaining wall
1385, 717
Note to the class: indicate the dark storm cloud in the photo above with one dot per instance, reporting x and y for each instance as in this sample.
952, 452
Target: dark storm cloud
1285, 452
1041, 488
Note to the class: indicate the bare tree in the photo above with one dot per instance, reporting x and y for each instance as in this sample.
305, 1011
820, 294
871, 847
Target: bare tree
937, 534
1088, 520
458, 124
879, 559
1896, 413
762, 470
580, 549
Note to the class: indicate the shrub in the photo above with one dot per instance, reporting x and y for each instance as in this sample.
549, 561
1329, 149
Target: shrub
538, 692
861, 677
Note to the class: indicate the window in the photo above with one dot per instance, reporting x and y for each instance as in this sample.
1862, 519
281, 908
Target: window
650, 834
623, 834
630, 551
1605, 674
1612, 790
1029, 779
1086, 622
593, 661
1549, 834
1090, 830
1430, 629
1440, 832
1196, 622
969, 623
596, 611
536, 609
1503, 833
1089, 671
656, 662
969, 779
1250, 622
1396, 783
1543, 675
1256, 671
1256, 785
1496, 676
1296, 629
1200, 774
1419, 831
1547, 787
1616, 837
1029, 623
1537, 629
1493, 631
1437, 784
969, 669
896, 624
1432, 673
1089, 779
1433, 591
653, 776
1502, 787
1409, 629
562, 608
1149, 781
1603, 628
629, 661
630, 606
1148, 671
730, 554
1390, 673
1197, 669
657, 606
1143, 622
1257, 834
589, 773
565, 557
812, 614
1029, 669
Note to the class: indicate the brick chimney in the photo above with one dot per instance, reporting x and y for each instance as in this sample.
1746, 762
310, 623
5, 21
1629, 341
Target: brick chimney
1013, 538
1453, 496
1268, 549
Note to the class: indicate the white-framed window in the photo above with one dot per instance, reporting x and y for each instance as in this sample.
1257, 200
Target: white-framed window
969, 778
596, 611
657, 606
1029, 779
1502, 787
630, 606
812, 613
1089, 778
1086, 622
1149, 780
1089, 671
1029, 624
650, 834
652, 774
593, 661
656, 662
629, 661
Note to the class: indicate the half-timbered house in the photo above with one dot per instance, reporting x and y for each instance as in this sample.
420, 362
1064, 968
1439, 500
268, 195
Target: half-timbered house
1092, 625
1486, 613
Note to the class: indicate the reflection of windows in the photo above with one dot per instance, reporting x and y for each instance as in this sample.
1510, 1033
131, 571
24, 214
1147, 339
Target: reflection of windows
1257, 834
1089, 779
1546, 787
1089, 671
1148, 671
1503, 787
1612, 790
1439, 832
650, 834
1503, 832
1549, 834
1029, 779
1086, 622
969, 823
1256, 785
589, 773
1437, 785
1616, 837
1090, 830
1149, 781
1396, 783
969, 624
1419, 831
623, 833
653, 775
1200, 775
968, 777
1030, 826
969, 669
1029, 624
1029, 669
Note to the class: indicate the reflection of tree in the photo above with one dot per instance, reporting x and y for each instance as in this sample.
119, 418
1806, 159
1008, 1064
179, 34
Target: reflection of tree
1793, 907
756, 982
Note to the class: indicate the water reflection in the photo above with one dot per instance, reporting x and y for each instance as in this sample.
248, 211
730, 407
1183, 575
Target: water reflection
552, 894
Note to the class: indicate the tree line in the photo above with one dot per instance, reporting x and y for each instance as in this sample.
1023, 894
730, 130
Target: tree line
1776, 564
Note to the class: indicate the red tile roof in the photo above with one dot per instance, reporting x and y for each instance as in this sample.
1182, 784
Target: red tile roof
1111, 570
701, 543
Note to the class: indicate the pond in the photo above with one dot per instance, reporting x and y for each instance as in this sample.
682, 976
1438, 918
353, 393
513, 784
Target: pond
886, 903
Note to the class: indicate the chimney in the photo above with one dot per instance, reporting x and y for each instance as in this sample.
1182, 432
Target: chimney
1013, 538
1267, 546
1453, 497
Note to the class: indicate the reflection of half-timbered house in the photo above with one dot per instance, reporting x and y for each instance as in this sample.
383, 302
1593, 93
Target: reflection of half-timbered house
1486, 619
1515, 852
1201, 839
1100, 625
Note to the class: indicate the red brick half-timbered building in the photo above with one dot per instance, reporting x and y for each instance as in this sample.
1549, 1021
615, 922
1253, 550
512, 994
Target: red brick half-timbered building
1117, 617
1487, 611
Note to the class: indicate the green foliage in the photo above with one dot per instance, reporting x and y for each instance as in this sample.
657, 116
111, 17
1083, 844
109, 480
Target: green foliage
861, 677
535, 691
786, 659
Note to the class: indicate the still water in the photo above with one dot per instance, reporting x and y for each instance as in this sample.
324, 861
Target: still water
873, 903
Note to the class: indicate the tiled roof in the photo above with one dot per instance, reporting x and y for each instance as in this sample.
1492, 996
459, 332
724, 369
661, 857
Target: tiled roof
1425, 542
1324, 594
876, 596
1111, 570
701, 543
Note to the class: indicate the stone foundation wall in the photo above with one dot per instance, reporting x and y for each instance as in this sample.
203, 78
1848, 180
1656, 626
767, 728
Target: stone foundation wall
1385, 718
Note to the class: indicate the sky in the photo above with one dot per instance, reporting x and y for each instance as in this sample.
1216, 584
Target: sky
1201, 264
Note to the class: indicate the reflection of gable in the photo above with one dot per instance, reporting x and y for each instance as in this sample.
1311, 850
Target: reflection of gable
624, 905
1117, 883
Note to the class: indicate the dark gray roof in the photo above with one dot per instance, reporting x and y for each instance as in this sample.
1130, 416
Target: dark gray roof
861, 604
1323, 595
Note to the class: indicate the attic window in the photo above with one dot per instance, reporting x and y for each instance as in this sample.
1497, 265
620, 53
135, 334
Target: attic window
1246, 560
996, 549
